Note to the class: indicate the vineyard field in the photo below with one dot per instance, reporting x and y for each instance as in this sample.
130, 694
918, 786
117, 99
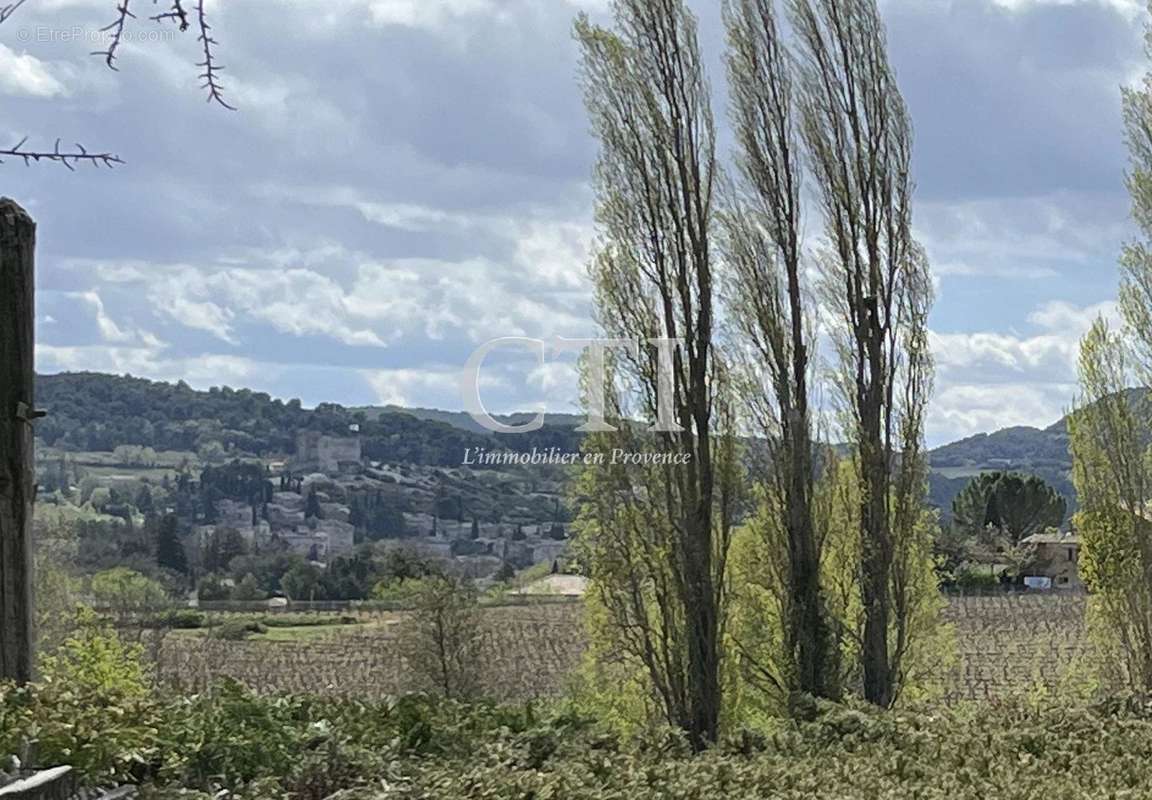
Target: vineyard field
1005, 646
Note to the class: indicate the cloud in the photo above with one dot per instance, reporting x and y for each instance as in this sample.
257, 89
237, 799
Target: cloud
109, 330
405, 180
987, 381
425, 13
413, 387
200, 371
1071, 320
24, 74
293, 301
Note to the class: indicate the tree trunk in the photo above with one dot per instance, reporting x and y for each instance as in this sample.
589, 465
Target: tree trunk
703, 637
876, 535
17, 472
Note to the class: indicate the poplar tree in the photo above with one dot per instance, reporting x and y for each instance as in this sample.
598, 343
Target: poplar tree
655, 538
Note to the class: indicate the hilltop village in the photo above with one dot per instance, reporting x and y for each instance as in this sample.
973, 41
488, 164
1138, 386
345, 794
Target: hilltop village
327, 498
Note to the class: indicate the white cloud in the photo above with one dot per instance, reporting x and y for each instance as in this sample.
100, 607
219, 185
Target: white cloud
1072, 320
294, 301
968, 269
153, 362
109, 330
24, 74
962, 410
435, 15
1131, 8
425, 13
987, 381
416, 387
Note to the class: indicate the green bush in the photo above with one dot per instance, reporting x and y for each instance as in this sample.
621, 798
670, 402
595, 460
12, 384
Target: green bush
237, 630
182, 619
94, 709
977, 579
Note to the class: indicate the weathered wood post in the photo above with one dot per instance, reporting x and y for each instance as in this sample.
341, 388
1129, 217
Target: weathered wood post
17, 411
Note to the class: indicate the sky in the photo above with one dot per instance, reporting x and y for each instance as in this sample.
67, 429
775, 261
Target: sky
405, 180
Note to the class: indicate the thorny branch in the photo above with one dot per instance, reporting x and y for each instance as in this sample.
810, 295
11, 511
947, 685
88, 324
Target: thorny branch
8, 10
117, 30
69, 158
176, 14
211, 68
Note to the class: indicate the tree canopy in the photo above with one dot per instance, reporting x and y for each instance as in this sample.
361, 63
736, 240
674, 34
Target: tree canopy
1013, 505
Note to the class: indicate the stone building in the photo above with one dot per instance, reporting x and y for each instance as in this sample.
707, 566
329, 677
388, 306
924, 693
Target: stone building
316, 452
1055, 564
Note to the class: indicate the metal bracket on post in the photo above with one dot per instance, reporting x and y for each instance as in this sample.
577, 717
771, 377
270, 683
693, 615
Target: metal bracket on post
24, 414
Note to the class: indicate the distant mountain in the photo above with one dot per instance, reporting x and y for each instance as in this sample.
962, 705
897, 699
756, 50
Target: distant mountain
1022, 446
1033, 451
94, 412
464, 421
98, 412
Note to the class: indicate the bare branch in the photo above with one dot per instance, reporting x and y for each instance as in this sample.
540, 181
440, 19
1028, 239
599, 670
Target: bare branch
175, 13
211, 68
178, 14
117, 28
69, 158
10, 9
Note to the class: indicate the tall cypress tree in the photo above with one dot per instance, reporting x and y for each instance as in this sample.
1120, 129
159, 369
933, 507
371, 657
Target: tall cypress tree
169, 549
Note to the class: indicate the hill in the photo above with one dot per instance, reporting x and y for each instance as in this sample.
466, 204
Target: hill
93, 412
464, 421
96, 412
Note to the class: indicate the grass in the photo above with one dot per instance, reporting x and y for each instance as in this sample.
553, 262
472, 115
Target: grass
281, 627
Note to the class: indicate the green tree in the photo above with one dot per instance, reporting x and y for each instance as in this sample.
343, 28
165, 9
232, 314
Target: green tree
170, 553
442, 636
312, 509
1112, 464
224, 545
144, 501
304, 582
773, 338
1114, 486
248, 589
877, 293
656, 539
123, 590
1014, 506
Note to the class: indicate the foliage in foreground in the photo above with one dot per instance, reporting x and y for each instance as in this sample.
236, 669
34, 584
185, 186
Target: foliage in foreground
95, 709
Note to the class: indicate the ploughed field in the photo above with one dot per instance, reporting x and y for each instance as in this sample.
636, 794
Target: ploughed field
1012, 645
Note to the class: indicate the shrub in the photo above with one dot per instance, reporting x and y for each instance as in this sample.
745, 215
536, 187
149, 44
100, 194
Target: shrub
441, 637
94, 710
237, 630
182, 619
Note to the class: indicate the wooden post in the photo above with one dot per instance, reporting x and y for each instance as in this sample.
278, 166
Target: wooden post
17, 411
